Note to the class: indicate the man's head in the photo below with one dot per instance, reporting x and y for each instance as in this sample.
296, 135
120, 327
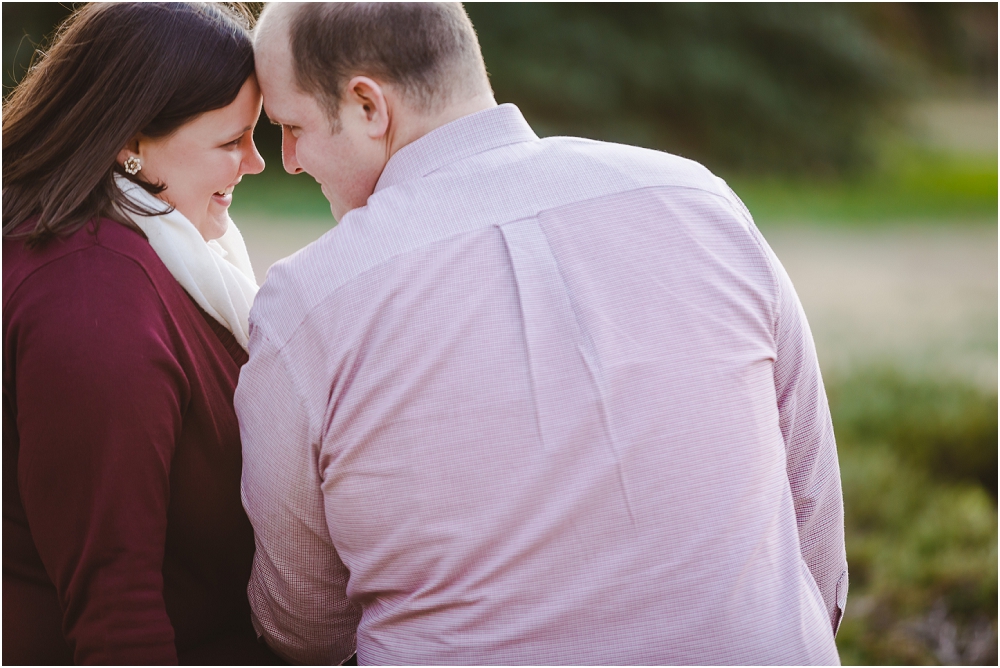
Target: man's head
352, 83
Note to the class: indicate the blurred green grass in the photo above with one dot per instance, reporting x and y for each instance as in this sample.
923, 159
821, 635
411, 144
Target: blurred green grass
918, 461
276, 194
912, 185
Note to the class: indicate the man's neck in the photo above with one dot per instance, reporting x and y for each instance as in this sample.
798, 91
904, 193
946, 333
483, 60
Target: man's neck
416, 127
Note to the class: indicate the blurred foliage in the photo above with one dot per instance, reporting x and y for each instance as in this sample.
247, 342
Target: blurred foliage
911, 183
946, 429
27, 26
918, 462
953, 39
761, 87
786, 88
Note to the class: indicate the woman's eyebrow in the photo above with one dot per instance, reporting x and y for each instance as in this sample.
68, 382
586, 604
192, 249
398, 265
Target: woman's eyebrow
242, 132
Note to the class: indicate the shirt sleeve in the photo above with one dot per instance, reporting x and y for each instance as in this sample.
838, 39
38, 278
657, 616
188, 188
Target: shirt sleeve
99, 399
811, 450
298, 587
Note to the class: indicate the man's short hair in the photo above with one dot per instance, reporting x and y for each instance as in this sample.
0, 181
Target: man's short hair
429, 50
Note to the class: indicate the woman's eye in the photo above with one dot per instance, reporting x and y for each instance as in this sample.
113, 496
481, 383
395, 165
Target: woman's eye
235, 142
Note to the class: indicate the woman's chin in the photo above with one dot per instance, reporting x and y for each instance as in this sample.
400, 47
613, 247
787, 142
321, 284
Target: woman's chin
214, 225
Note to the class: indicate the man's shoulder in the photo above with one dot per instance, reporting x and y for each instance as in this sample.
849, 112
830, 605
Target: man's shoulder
525, 179
489, 189
291, 287
611, 167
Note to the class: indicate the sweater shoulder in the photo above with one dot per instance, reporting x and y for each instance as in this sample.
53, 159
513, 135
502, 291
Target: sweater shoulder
98, 249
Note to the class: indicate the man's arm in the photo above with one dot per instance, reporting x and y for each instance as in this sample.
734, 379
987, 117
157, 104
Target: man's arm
813, 469
298, 586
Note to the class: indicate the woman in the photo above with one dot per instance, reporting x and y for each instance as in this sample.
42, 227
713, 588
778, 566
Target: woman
126, 292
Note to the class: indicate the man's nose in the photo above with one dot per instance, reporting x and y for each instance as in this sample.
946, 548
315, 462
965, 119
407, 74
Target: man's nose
288, 157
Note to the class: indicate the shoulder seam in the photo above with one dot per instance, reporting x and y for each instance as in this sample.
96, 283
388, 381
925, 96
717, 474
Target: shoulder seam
53, 261
284, 340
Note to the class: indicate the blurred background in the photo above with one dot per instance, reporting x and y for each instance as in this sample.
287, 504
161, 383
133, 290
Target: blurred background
863, 138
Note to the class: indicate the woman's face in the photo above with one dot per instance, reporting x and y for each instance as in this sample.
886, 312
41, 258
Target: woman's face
203, 160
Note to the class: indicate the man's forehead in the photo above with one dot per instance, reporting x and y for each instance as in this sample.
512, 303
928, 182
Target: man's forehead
273, 60
278, 106
270, 39
273, 21
284, 102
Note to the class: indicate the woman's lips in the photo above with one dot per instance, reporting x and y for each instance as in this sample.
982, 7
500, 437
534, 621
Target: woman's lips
222, 200
224, 197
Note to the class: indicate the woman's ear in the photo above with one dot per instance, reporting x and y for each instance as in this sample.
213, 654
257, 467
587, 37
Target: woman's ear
131, 149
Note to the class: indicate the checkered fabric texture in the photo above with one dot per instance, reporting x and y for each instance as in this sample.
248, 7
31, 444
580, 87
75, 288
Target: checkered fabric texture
541, 401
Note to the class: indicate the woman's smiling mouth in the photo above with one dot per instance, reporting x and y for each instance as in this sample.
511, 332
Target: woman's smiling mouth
224, 197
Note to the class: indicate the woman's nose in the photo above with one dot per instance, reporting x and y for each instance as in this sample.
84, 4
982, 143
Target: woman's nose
253, 163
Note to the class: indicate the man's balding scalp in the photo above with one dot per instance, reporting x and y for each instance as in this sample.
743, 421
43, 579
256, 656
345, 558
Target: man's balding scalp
428, 50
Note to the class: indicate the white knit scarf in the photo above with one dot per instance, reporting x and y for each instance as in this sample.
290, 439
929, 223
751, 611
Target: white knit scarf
216, 274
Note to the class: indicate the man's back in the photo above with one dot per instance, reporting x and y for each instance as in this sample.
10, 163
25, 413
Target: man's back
561, 406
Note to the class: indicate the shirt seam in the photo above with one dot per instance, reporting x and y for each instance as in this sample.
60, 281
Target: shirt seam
757, 237
422, 175
534, 216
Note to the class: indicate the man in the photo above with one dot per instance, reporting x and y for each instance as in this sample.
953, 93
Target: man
532, 400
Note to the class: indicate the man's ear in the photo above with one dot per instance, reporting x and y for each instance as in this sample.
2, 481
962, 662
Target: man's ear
370, 98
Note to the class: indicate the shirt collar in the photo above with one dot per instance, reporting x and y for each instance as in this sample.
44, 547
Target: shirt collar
476, 133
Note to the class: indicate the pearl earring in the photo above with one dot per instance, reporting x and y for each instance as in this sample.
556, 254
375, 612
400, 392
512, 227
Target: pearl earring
132, 166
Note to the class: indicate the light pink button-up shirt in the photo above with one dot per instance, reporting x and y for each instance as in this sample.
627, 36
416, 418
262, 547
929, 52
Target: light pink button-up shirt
540, 401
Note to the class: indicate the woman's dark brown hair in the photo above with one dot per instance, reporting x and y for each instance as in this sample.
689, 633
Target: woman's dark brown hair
114, 70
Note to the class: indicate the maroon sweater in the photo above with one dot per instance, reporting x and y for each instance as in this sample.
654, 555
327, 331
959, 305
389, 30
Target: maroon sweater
124, 539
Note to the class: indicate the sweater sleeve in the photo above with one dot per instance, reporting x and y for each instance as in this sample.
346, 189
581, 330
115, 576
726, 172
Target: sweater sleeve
100, 395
